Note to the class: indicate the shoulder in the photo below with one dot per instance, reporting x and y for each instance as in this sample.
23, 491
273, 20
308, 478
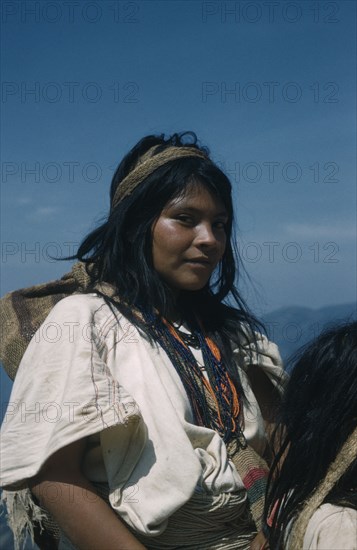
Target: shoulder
332, 527
82, 302
85, 313
83, 306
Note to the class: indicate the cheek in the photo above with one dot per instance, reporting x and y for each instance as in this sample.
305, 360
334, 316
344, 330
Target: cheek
168, 238
163, 243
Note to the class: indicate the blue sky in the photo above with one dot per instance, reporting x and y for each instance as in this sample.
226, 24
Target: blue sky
269, 88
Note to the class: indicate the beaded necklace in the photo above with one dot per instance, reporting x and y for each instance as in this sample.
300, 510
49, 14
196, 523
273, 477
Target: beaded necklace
214, 399
215, 403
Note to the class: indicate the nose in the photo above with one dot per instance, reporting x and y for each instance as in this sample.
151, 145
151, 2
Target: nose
206, 236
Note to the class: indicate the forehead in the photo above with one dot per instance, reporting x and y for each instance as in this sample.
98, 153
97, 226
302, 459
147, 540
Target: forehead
197, 196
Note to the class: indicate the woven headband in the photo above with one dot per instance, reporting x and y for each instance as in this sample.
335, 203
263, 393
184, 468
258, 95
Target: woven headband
148, 163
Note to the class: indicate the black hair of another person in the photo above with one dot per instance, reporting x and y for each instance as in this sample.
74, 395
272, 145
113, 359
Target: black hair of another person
318, 413
121, 248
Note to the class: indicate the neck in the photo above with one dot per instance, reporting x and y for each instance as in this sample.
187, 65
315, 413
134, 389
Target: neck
174, 315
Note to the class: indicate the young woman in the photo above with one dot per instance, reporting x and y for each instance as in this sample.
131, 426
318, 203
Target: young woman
312, 502
154, 392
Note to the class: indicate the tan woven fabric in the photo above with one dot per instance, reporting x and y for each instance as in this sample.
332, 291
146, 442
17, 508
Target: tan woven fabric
148, 164
23, 311
254, 471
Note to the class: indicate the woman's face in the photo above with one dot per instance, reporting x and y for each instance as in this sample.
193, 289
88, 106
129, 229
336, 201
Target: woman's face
189, 239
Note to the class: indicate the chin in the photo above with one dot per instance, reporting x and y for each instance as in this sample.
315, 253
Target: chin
192, 286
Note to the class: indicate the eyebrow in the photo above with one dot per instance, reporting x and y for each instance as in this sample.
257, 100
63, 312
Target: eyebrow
194, 210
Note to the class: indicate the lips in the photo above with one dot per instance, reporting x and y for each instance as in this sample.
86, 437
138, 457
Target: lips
200, 262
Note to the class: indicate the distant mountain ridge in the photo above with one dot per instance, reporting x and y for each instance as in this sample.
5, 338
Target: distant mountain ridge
293, 326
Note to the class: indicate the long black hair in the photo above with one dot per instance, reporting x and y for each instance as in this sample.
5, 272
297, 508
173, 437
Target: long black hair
120, 250
318, 413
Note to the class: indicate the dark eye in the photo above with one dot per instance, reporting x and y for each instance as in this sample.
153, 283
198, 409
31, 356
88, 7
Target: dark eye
220, 225
187, 220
